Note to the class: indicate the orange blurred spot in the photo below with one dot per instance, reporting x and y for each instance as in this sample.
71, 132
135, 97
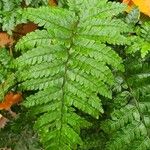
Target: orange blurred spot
129, 3
9, 100
5, 40
143, 5
52, 2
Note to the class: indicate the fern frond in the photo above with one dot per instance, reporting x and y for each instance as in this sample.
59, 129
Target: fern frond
100, 21
6, 74
126, 129
37, 38
141, 42
9, 13
129, 126
139, 75
133, 16
36, 3
69, 64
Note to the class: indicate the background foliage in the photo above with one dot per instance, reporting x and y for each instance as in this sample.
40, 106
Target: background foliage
84, 74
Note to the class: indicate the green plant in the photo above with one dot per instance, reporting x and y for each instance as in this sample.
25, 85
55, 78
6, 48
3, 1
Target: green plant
140, 41
36, 3
128, 126
84, 83
71, 69
11, 12
7, 76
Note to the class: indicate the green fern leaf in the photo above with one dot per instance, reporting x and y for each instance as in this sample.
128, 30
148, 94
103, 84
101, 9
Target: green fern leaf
141, 42
69, 63
33, 39
7, 76
36, 3
128, 127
